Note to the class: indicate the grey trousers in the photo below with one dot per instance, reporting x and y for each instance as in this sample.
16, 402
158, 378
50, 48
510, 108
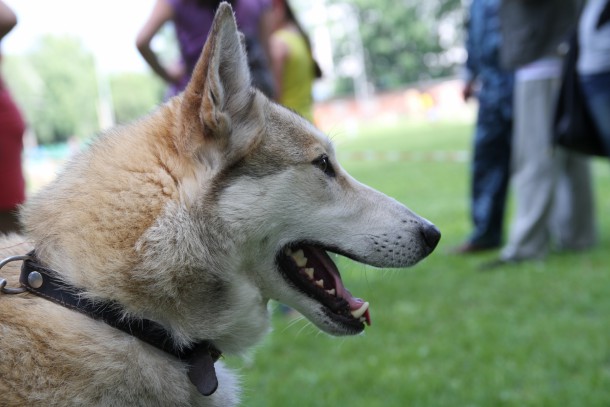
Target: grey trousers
554, 202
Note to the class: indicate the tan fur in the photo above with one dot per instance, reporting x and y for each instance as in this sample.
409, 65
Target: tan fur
178, 218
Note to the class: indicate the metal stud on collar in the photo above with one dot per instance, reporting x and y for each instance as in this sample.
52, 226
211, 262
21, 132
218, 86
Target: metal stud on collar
35, 279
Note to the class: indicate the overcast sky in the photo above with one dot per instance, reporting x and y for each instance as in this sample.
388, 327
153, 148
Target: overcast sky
107, 27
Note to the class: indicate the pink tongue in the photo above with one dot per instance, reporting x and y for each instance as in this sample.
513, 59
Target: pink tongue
354, 303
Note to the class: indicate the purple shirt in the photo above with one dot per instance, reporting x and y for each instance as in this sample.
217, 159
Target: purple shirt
193, 22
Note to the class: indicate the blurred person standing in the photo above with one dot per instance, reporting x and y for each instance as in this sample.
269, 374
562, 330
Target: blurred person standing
492, 139
192, 21
294, 68
594, 64
12, 127
553, 192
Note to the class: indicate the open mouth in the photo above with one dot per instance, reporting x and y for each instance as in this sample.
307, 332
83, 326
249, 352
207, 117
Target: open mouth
311, 270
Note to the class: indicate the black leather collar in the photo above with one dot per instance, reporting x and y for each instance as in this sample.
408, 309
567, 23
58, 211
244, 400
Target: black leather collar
42, 281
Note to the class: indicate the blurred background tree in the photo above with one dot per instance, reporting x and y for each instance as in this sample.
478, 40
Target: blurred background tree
62, 93
54, 84
404, 41
407, 43
134, 94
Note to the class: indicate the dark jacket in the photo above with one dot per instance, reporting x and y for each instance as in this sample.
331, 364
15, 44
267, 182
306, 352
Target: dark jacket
533, 29
483, 42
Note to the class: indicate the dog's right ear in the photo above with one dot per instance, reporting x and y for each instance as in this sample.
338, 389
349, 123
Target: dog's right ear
219, 90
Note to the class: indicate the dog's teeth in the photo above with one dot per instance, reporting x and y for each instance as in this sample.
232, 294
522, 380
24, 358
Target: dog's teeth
331, 291
360, 311
299, 258
309, 272
363, 319
320, 283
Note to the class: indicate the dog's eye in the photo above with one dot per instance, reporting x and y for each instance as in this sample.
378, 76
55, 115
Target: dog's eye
323, 163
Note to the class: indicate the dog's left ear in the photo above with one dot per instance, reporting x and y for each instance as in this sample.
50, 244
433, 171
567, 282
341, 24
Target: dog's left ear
219, 89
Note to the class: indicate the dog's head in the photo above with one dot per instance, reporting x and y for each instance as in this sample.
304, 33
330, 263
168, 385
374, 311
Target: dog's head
220, 200
279, 187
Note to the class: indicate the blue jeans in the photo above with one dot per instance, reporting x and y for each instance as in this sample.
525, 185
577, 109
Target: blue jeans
490, 175
597, 94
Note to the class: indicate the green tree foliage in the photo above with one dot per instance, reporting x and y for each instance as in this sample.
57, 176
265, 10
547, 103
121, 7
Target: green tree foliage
22, 80
135, 94
58, 89
65, 91
406, 41
55, 87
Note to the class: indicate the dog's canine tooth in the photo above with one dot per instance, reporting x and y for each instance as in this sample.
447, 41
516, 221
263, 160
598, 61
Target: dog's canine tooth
299, 258
332, 292
309, 272
360, 311
320, 283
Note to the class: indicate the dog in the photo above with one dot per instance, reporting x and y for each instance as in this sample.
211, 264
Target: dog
159, 247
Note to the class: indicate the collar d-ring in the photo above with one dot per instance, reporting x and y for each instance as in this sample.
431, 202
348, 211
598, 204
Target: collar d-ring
10, 290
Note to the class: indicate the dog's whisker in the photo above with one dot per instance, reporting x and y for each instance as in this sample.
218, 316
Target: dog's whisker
307, 325
296, 320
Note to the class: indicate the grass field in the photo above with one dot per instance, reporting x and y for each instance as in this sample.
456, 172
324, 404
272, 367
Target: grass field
445, 333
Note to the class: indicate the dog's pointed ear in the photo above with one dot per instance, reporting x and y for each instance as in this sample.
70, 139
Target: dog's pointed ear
219, 89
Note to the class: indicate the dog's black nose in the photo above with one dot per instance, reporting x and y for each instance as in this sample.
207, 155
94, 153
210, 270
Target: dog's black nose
431, 234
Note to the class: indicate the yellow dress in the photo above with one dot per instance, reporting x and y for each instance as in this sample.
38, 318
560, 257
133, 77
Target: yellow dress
298, 74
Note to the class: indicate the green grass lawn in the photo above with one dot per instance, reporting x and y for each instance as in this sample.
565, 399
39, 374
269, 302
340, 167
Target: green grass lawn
445, 333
